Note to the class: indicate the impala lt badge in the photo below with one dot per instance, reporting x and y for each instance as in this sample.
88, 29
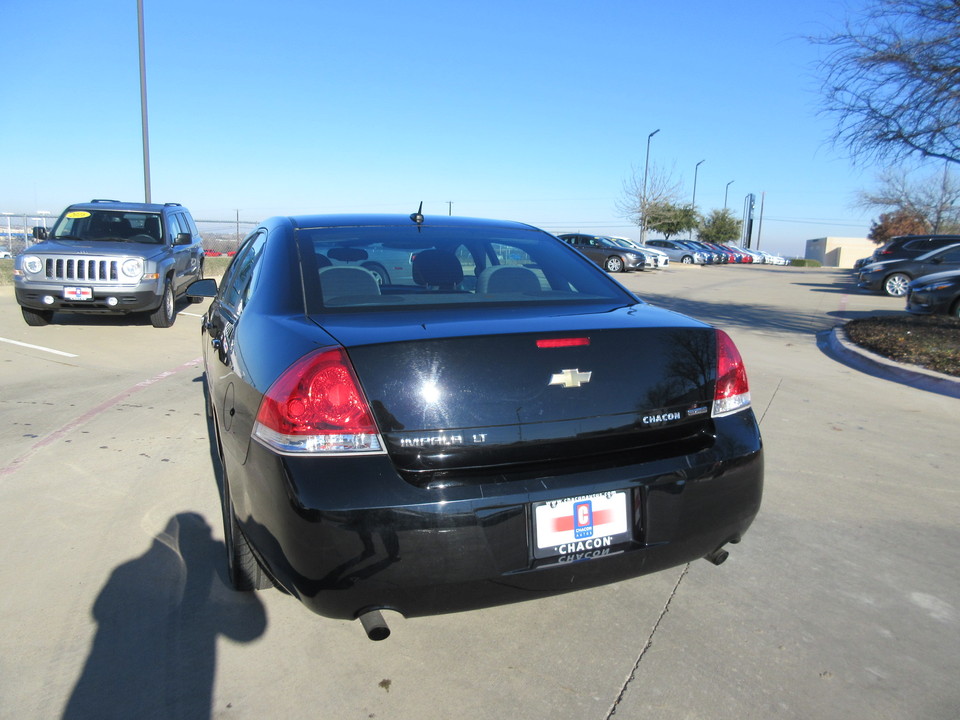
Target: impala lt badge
570, 378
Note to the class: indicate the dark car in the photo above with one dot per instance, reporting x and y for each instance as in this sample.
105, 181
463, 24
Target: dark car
911, 246
509, 423
605, 252
936, 294
893, 276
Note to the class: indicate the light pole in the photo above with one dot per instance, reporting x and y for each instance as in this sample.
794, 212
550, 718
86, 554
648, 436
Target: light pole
696, 169
725, 192
643, 200
43, 217
143, 105
693, 203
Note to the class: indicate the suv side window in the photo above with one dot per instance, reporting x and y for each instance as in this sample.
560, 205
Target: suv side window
173, 228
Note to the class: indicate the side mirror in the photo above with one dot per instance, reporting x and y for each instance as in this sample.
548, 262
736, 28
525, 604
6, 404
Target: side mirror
40, 233
205, 288
183, 239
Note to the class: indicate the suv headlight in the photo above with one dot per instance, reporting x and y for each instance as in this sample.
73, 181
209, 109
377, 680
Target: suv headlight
31, 264
132, 267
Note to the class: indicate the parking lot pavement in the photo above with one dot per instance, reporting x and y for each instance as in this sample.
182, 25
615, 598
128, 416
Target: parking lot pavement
841, 602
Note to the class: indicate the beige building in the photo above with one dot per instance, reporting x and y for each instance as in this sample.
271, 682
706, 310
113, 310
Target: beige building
839, 251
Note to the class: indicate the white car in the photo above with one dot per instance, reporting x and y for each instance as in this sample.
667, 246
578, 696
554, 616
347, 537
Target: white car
656, 258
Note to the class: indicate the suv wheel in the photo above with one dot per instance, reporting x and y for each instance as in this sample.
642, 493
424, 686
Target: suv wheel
164, 315
36, 318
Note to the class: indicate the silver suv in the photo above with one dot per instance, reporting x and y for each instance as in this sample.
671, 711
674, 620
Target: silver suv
107, 256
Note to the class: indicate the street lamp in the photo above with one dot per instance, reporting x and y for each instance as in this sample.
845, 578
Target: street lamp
643, 200
693, 203
143, 105
725, 192
695, 170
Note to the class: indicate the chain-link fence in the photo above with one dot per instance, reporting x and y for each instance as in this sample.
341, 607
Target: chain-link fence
219, 236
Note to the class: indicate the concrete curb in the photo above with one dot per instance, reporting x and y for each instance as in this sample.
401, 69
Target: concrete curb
912, 375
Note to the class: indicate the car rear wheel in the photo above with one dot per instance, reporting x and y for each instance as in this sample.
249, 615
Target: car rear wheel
686, 260
36, 318
164, 315
613, 264
896, 285
244, 570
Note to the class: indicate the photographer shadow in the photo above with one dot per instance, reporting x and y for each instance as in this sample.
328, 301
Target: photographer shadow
158, 620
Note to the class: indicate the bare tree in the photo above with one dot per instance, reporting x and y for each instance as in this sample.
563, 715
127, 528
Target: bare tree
892, 79
935, 199
638, 204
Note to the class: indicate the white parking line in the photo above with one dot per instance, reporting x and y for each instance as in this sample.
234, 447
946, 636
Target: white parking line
38, 347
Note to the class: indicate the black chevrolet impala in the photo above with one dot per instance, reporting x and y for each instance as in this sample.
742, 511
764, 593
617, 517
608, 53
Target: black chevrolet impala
436, 414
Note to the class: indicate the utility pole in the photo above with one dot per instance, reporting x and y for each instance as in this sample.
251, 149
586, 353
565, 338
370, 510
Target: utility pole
143, 105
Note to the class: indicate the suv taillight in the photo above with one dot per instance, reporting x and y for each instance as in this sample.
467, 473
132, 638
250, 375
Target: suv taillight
732, 392
317, 406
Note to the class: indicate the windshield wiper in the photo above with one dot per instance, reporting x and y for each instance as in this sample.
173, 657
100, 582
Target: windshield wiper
64, 237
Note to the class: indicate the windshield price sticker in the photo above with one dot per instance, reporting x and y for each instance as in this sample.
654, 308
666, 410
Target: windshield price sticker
78, 293
582, 527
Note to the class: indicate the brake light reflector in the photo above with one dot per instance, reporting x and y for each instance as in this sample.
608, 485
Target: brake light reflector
732, 392
316, 406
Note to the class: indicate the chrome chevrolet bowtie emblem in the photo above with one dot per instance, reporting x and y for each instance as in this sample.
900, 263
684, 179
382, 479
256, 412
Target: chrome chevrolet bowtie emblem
570, 378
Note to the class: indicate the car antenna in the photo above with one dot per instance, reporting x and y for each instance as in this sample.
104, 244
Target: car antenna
417, 217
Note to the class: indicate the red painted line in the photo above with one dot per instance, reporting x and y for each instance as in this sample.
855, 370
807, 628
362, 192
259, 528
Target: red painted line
56, 435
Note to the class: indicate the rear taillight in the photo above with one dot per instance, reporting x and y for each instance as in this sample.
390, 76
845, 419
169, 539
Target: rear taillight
732, 392
316, 406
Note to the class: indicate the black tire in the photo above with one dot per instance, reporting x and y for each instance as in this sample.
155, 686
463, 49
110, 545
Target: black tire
895, 285
614, 264
687, 260
379, 271
36, 318
165, 315
243, 569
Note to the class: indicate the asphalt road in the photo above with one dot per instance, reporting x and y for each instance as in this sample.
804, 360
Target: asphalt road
843, 601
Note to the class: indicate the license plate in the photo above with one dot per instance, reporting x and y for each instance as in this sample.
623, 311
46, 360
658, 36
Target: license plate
586, 526
78, 293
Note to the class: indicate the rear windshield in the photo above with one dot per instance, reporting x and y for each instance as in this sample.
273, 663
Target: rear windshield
401, 267
109, 225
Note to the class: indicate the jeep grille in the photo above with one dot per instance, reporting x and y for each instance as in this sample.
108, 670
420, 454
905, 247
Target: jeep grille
87, 269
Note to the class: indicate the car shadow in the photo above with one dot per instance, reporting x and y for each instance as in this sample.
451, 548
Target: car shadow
158, 619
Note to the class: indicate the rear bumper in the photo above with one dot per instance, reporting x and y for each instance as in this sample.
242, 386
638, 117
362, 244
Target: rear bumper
346, 535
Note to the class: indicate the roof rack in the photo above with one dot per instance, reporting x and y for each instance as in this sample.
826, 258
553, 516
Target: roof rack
95, 200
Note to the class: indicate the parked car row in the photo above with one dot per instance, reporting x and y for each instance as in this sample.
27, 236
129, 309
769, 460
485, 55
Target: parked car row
704, 253
617, 254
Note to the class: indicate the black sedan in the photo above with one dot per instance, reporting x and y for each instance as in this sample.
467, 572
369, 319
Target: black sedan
893, 276
502, 422
937, 294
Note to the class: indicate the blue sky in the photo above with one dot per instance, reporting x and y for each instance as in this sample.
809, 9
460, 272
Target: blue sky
525, 110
